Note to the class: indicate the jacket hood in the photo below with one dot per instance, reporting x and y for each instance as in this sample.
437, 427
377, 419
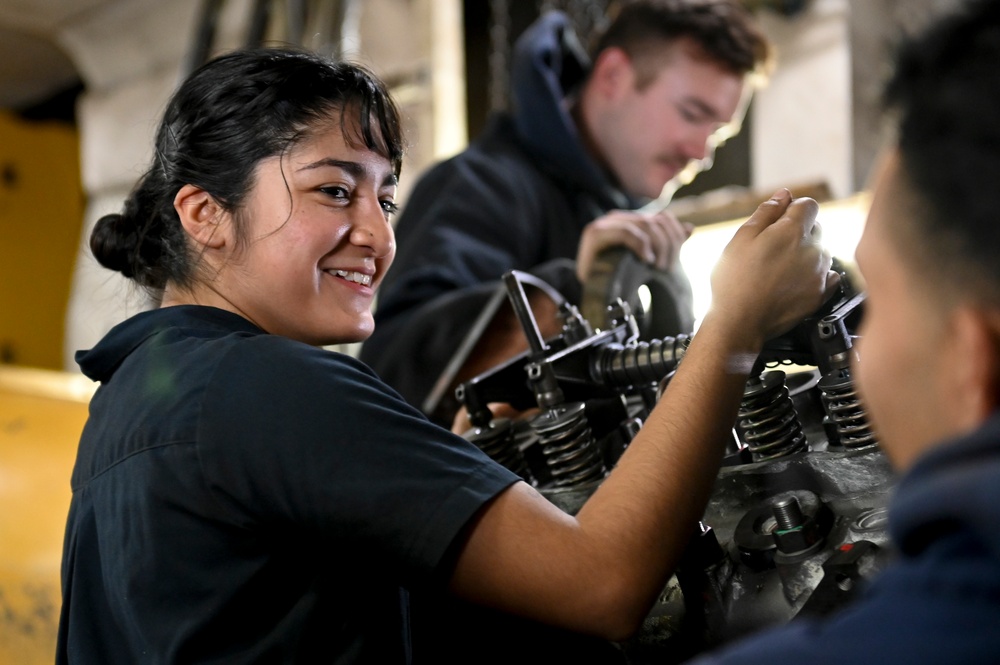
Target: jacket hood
954, 486
548, 64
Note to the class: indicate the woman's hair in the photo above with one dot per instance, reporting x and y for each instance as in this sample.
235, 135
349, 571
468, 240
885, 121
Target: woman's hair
227, 116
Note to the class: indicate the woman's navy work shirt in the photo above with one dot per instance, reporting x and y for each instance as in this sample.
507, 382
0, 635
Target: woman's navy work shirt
240, 497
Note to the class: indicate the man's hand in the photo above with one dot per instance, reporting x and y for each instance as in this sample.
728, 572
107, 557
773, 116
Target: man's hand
656, 238
774, 272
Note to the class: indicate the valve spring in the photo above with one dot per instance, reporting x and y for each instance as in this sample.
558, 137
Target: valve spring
499, 442
768, 420
843, 408
568, 445
641, 362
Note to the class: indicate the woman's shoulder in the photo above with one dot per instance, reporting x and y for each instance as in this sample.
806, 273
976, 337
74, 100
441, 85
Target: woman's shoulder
277, 356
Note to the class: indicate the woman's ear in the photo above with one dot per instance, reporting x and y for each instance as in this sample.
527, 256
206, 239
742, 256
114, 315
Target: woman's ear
202, 217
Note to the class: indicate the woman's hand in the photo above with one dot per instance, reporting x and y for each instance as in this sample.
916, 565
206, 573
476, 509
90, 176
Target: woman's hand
775, 271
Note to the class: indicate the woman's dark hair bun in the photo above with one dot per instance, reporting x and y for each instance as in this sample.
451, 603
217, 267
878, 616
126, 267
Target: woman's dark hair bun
122, 243
114, 243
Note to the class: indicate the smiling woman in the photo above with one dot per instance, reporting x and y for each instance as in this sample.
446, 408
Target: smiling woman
219, 464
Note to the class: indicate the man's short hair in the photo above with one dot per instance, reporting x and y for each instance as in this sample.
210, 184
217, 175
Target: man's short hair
723, 29
945, 92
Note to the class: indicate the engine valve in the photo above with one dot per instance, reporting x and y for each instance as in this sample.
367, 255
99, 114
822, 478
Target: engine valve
768, 420
498, 441
568, 445
849, 424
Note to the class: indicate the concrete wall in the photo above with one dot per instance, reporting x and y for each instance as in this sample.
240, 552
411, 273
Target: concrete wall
129, 56
801, 124
819, 120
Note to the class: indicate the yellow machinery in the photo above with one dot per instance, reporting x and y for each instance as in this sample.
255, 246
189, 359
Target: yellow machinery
42, 413
40, 234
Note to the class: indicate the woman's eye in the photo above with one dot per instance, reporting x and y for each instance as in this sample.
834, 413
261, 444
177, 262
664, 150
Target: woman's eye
389, 207
335, 192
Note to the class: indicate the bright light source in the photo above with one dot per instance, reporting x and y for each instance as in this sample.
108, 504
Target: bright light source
645, 297
842, 223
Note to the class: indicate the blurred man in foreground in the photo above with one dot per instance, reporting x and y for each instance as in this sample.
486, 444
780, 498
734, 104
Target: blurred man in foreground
929, 366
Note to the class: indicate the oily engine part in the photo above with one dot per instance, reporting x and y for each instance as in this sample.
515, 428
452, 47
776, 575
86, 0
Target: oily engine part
795, 523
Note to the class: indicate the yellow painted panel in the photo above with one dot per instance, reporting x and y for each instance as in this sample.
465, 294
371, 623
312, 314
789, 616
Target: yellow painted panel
42, 413
41, 217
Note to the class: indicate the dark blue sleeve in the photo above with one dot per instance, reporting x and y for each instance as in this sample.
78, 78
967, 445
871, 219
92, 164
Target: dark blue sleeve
311, 440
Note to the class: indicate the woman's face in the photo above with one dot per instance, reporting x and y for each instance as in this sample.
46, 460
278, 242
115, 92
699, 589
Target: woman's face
319, 240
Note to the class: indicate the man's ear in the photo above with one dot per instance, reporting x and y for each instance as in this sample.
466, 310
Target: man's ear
974, 363
612, 73
202, 217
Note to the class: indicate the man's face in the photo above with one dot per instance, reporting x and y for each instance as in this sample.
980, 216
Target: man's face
900, 367
651, 133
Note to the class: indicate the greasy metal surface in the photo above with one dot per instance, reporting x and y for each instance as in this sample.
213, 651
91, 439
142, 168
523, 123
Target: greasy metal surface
736, 594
